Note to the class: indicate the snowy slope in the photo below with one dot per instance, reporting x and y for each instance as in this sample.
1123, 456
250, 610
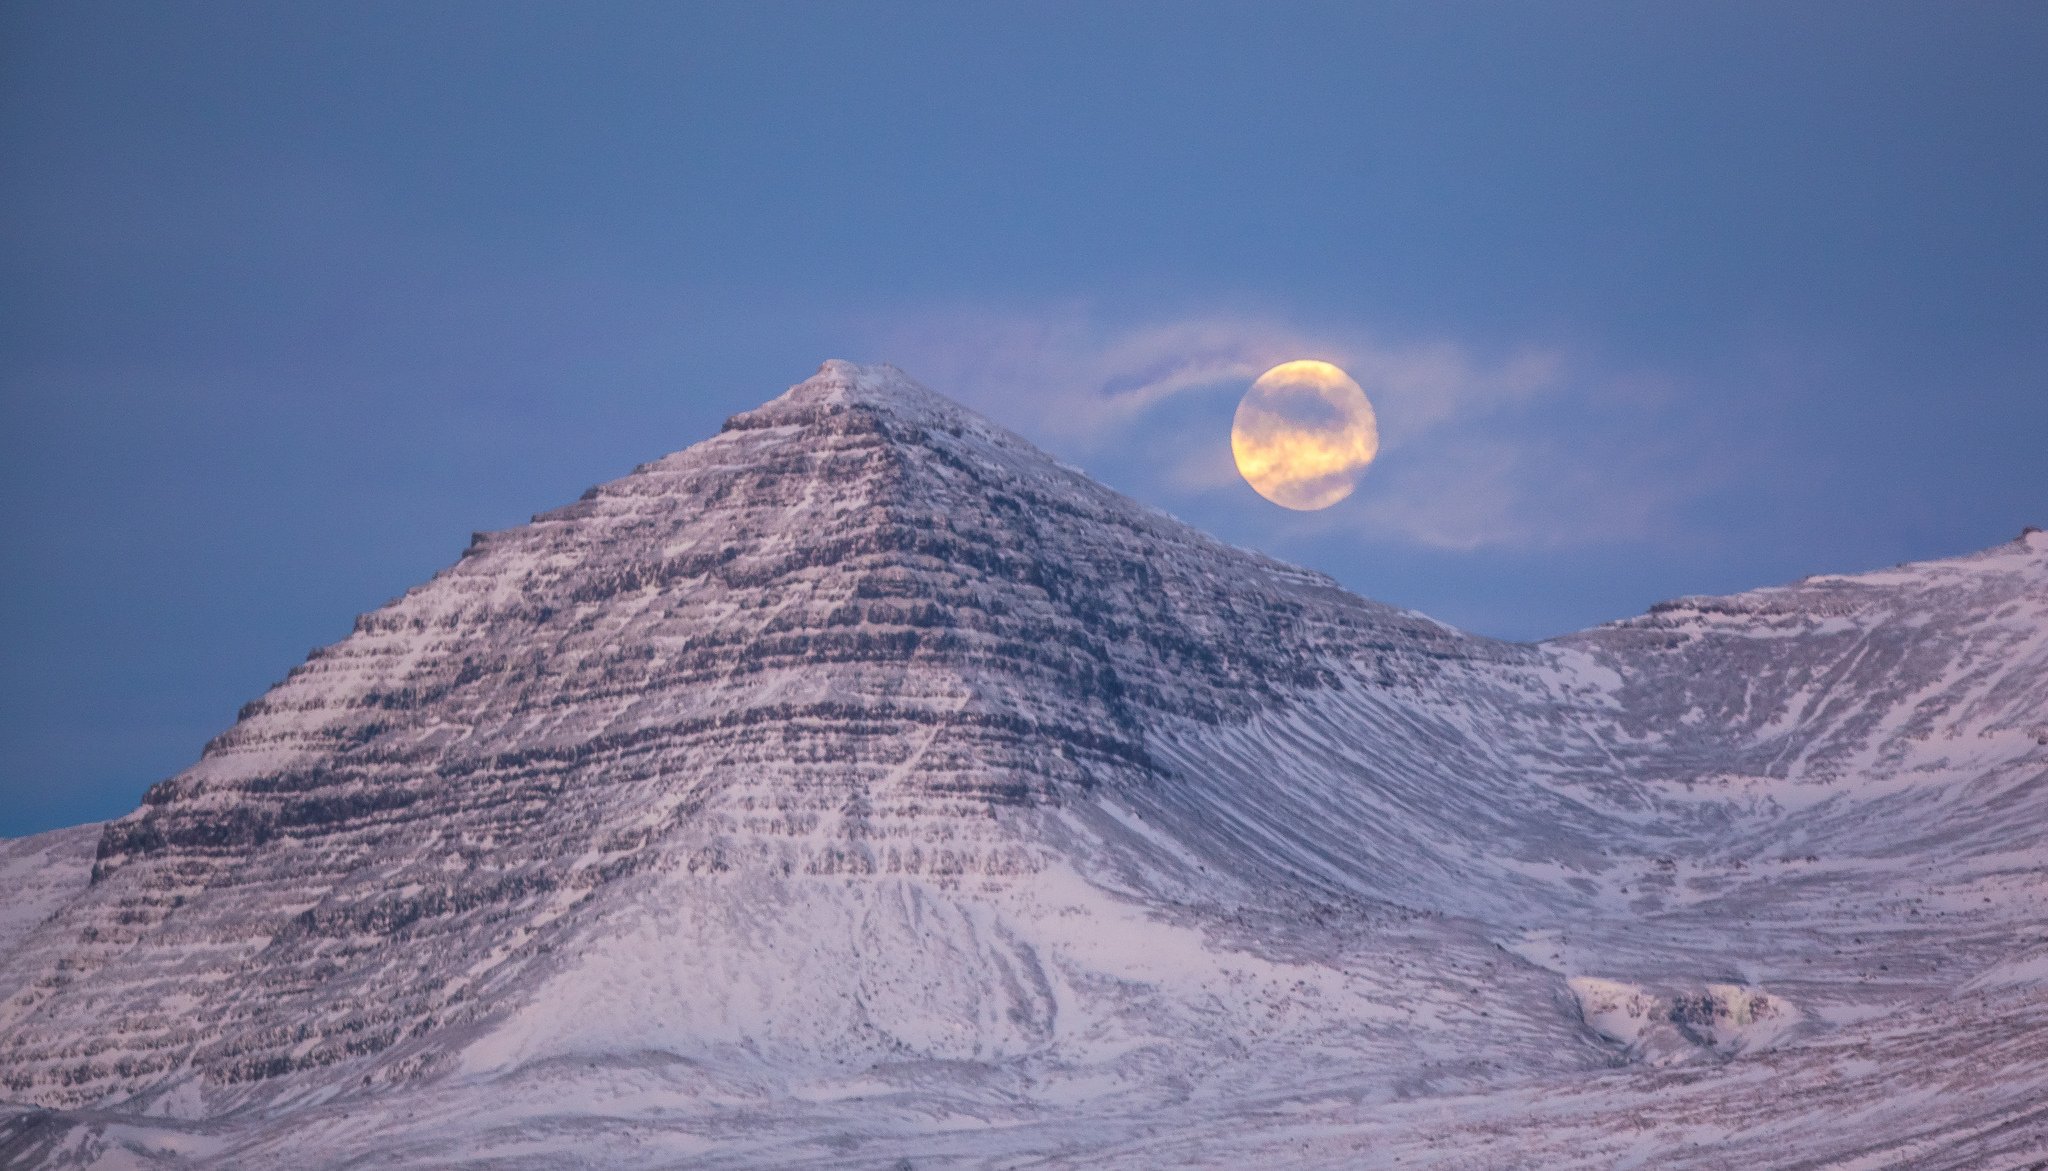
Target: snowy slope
862, 782
39, 874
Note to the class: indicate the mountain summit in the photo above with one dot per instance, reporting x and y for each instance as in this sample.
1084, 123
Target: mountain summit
832, 639
865, 754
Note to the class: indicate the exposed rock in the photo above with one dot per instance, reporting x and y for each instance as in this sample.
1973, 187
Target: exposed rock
864, 755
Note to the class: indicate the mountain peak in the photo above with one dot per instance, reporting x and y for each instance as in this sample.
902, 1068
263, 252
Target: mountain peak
865, 736
880, 385
841, 386
860, 632
861, 381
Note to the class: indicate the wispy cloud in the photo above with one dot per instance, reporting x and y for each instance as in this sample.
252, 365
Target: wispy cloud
1064, 373
1484, 491
1521, 447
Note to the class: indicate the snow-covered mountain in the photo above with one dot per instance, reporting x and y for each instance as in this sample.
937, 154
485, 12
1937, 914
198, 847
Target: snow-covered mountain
863, 785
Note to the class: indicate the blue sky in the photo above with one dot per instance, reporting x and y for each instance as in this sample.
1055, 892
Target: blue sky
1651, 299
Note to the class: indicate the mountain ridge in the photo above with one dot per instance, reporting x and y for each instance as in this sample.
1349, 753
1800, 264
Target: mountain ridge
864, 736
910, 561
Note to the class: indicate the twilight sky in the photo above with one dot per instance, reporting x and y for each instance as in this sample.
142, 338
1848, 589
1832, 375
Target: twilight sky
1651, 299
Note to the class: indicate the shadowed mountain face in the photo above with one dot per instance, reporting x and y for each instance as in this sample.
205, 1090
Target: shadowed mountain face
864, 736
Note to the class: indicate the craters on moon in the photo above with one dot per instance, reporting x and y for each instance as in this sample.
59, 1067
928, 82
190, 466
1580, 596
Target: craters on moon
1303, 435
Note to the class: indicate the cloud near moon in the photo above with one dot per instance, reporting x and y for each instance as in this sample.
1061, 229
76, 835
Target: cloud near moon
1303, 435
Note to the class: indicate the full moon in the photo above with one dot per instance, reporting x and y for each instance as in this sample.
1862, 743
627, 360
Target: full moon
1303, 435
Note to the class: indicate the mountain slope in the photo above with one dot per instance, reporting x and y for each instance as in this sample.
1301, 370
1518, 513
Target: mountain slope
835, 638
863, 754
40, 874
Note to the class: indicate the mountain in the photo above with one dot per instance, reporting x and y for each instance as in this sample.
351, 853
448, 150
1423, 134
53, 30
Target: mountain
861, 784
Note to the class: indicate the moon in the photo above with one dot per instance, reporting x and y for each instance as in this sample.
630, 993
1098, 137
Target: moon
1303, 435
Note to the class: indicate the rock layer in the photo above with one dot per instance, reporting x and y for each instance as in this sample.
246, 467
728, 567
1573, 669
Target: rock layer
833, 638
864, 740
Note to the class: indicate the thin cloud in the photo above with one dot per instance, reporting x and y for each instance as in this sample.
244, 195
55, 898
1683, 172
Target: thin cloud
1064, 374
1523, 449
1489, 492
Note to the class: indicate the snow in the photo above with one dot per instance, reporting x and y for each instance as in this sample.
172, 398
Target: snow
39, 874
860, 785
1620, 1012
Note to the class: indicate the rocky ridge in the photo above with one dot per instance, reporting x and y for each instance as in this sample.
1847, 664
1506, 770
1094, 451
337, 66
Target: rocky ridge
863, 736
832, 639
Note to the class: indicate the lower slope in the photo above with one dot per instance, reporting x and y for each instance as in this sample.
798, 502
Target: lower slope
1951, 1088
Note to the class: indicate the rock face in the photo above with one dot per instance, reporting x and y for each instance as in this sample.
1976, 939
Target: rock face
864, 736
833, 639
